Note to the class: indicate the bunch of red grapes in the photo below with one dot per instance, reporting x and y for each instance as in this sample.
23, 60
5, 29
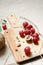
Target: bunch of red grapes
29, 30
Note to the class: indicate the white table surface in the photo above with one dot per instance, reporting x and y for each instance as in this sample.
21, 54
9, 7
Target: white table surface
31, 9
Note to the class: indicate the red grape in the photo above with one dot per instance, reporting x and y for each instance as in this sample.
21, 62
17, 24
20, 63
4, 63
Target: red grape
29, 27
27, 32
32, 30
35, 35
4, 26
25, 24
22, 34
27, 50
35, 40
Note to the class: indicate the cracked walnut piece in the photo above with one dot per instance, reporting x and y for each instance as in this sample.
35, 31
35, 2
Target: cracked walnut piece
2, 41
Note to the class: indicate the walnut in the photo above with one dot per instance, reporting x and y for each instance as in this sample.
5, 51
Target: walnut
2, 41
29, 38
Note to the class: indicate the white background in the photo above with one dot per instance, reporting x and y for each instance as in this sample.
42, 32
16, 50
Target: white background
31, 9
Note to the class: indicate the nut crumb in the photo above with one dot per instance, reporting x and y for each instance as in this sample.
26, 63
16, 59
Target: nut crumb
16, 49
18, 45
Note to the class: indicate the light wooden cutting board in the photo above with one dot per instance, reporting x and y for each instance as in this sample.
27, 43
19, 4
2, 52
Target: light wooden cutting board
17, 44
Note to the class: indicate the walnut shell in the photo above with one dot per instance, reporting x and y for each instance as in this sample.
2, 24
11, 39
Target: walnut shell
29, 38
2, 41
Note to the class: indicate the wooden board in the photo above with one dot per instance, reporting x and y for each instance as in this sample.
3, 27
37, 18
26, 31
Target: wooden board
15, 40
14, 21
17, 44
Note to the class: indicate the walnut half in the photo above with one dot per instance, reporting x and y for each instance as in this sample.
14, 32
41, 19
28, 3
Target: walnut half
29, 38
